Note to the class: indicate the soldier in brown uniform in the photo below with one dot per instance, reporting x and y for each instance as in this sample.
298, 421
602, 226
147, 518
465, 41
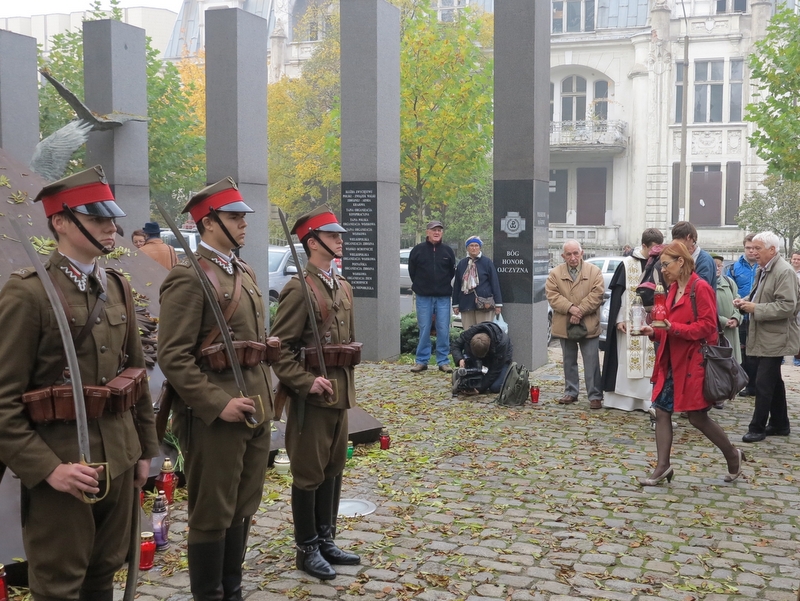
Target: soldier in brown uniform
226, 458
73, 548
317, 445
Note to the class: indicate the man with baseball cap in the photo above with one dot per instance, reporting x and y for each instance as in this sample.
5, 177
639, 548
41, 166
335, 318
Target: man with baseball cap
73, 548
316, 423
226, 456
431, 266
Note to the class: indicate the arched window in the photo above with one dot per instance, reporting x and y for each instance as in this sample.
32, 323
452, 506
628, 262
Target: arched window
573, 98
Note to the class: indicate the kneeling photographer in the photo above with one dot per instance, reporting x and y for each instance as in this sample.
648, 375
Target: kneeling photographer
482, 345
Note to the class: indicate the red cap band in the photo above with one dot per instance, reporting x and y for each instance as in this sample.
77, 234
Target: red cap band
314, 223
216, 202
75, 197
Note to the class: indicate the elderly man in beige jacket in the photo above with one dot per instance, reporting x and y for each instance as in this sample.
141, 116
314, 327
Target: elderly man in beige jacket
773, 334
575, 292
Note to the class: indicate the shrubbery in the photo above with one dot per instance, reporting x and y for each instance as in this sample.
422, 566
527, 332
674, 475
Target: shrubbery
409, 333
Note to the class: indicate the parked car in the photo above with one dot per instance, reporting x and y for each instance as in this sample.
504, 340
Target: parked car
281, 268
405, 279
191, 236
607, 265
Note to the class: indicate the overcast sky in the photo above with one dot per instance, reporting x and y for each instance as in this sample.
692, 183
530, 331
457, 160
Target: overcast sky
9, 8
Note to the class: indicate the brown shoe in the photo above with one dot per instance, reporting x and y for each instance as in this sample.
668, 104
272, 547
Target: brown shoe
445, 368
567, 400
596, 404
418, 368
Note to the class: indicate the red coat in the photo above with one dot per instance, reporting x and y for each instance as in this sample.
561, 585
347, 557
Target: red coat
680, 347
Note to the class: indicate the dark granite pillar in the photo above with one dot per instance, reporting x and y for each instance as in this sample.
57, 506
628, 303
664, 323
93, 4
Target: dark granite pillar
521, 170
19, 96
236, 119
115, 79
370, 67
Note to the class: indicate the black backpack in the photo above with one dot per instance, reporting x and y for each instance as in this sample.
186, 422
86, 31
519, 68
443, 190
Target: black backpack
516, 388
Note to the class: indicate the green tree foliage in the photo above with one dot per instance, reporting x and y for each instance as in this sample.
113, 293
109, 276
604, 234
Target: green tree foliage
776, 210
775, 69
176, 150
303, 123
446, 107
446, 116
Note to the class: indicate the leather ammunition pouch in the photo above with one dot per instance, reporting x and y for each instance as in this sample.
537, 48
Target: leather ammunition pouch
248, 353
335, 355
56, 403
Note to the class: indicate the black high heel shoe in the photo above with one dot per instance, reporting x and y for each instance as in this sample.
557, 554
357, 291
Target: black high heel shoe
668, 474
729, 477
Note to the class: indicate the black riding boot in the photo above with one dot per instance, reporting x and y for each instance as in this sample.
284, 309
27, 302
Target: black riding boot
235, 540
205, 569
326, 508
308, 557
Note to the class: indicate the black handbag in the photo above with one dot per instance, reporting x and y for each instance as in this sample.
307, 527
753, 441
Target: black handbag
724, 377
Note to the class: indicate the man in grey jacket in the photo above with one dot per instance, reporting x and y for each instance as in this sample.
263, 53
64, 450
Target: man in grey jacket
773, 333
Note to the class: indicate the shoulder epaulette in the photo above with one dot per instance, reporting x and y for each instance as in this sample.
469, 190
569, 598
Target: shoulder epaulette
25, 272
183, 263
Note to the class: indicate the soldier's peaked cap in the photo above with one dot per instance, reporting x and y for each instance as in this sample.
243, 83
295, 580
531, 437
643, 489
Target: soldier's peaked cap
221, 196
320, 219
86, 192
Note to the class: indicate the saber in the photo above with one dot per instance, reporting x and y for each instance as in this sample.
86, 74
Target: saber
227, 341
81, 423
134, 549
310, 308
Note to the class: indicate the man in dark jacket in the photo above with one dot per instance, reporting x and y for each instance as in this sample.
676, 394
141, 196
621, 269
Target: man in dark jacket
431, 265
486, 343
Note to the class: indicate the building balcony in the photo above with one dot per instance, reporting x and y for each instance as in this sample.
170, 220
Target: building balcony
588, 136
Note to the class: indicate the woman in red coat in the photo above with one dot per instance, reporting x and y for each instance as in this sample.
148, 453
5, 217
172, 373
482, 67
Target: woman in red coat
679, 372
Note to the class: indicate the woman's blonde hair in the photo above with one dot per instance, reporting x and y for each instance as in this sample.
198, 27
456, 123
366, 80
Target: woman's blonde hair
677, 250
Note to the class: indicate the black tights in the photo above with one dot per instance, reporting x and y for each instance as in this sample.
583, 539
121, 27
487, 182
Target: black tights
703, 422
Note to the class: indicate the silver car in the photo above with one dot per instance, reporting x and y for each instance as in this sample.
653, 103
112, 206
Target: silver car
405, 279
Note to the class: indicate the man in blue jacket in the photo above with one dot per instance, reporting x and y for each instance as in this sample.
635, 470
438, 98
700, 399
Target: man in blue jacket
743, 273
431, 265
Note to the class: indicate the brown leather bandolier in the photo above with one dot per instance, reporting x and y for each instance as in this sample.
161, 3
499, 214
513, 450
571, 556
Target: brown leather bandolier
249, 353
335, 355
55, 402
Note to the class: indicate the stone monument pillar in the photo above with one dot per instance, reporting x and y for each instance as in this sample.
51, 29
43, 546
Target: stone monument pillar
521, 171
19, 96
236, 119
115, 80
370, 71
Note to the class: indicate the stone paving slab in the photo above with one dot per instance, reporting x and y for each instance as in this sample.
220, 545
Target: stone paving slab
477, 502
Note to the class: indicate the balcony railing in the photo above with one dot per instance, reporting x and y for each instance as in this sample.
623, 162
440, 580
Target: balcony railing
588, 135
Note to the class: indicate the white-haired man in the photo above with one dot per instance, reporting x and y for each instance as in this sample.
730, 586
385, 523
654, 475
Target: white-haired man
574, 290
773, 333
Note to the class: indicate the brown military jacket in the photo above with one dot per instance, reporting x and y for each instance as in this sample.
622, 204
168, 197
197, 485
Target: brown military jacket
33, 351
294, 329
185, 321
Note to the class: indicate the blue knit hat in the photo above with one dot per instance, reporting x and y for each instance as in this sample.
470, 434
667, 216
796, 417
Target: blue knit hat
474, 240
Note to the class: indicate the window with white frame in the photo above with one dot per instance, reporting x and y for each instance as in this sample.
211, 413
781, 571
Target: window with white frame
718, 91
731, 6
735, 84
449, 8
600, 101
570, 16
709, 79
573, 98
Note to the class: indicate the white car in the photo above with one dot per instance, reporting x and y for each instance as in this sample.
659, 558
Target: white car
607, 265
405, 279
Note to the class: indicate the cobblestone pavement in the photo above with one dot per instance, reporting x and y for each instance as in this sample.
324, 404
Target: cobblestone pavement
479, 502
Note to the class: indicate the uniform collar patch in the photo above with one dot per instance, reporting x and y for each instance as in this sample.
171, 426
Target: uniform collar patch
80, 279
226, 265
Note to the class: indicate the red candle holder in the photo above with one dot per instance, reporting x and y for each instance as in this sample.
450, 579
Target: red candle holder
166, 480
534, 394
3, 584
147, 553
386, 440
659, 312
